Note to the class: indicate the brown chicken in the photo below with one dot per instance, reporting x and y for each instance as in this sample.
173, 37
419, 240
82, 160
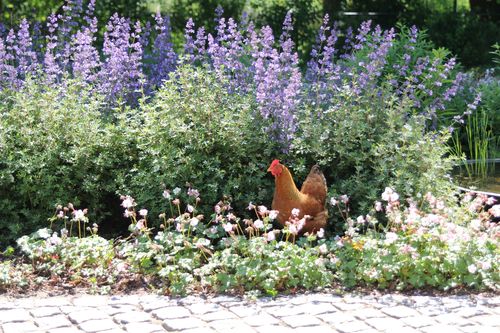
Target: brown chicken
310, 200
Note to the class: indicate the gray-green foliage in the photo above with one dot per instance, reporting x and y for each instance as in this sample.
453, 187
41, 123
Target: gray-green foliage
195, 131
365, 142
54, 148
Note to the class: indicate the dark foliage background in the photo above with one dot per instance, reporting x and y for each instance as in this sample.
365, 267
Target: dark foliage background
468, 28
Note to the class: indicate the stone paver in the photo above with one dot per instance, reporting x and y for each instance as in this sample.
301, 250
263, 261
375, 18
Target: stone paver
315, 313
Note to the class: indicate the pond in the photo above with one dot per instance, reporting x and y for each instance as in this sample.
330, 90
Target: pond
489, 182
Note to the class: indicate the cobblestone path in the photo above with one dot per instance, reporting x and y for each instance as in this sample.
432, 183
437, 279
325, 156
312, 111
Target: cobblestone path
318, 313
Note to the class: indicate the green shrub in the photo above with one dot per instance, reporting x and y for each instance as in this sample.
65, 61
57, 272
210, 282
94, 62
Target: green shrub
194, 131
369, 141
54, 148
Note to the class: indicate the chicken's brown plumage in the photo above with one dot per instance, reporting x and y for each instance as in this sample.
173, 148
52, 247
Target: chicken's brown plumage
310, 200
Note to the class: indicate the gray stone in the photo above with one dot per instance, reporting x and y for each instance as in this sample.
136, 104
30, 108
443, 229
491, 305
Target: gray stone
44, 311
400, 311
351, 326
53, 322
245, 311
487, 320
301, 321
182, 324
203, 308
315, 329
171, 312
78, 317
274, 329
97, 325
65, 330
282, 311
143, 328
14, 316
230, 324
132, 317
440, 329
262, 319
337, 317
367, 313
418, 321
383, 324
316, 308
90, 301
20, 327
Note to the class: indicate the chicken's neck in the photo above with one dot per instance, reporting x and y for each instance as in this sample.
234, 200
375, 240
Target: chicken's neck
285, 186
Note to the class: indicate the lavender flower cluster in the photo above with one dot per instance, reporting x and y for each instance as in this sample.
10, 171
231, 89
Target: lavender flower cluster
136, 58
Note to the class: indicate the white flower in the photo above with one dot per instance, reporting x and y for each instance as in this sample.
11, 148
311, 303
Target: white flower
295, 212
143, 212
472, 268
344, 198
394, 197
228, 227
378, 206
490, 201
495, 211
127, 213
176, 191
293, 229
361, 219
190, 208
390, 237
475, 224
60, 215
485, 265
323, 249
258, 224
166, 194
251, 206
213, 230
271, 236
128, 202
194, 222
387, 194
321, 233
202, 242
333, 201
231, 217
262, 210
217, 209
78, 214
273, 214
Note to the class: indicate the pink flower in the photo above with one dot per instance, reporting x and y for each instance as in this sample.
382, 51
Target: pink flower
333, 201
176, 202
251, 206
490, 201
258, 224
273, 214
143, 212
323, 249
360, 219
190, 208
390, 237
194, 222
166, 194
228, 227
295, 212
495, 210
378, 206
128, 202
271, 236
472, 268
344, 198
262, 210
217, 209
321, 233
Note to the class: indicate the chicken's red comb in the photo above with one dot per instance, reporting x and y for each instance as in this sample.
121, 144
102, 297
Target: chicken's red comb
274, 163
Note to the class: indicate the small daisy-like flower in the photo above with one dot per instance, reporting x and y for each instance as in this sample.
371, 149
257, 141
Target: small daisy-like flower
143, 212
472, 268
78, 214
262, 210
273, 214
194, 222
344, 198
228, 227
258, 224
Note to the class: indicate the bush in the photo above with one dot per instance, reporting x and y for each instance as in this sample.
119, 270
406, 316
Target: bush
193, 131
55, 148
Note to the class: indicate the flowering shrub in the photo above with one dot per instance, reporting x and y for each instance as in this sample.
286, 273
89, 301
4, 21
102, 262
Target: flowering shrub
428, 243
214, 114
425, 243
